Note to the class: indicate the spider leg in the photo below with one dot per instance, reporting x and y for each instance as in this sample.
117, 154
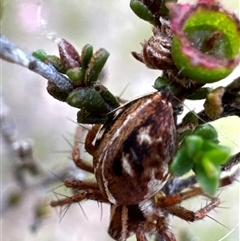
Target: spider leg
80, 196
140, 233
90, 138
79, 162
191, 216
81, 185
176, 185
88, 189
170, 204
163, 229
168, 201
171, 200
229, 179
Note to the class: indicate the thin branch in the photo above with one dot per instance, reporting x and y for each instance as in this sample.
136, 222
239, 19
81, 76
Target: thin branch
230, 102
235, 160
11, 53
23, 151
227, 111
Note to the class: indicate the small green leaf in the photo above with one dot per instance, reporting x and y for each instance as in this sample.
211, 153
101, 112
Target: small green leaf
181, 163
207, 132
141, 10
76, 75
161, 82
40, 54
95, 66
199, 94
87, 99
190, 118
56, 62
86, 117
219, 155
193, 145
109, 98
209, 145
183, 135
208, 176
86, 55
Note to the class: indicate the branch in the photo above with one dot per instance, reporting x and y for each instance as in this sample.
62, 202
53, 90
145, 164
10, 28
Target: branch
235, 160
11, 53
23, 159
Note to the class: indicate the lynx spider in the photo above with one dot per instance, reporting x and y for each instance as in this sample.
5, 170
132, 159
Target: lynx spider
140, 217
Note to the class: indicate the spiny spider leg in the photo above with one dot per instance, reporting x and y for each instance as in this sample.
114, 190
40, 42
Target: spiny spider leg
140, 233
169, 204
129, 219
89, 189
126, 220
79, 162
191, 216
163, 229
164, 202
78, 197
81, 185
229, 179
171, 200
90, 138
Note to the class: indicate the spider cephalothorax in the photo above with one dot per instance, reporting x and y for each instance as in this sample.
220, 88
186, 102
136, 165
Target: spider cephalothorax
131, 158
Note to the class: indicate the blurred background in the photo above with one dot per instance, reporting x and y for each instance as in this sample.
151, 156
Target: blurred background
35, 114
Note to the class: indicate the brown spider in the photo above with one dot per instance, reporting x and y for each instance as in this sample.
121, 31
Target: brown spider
131, 155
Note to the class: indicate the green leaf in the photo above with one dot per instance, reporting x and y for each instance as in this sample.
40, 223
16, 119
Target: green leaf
161, 82
218, 155
109, 98
181, 163
56, 62
199, 94
209, 145
208, 176
190, 118
183, 135
141, 10
95, 66
86, 117
86, 55
207, 132
40, 54
193, 145
87, 99
76, 75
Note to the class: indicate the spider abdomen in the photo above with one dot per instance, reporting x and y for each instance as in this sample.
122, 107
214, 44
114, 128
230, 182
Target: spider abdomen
134, 149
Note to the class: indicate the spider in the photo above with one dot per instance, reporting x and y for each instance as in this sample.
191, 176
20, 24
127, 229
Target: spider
131, 154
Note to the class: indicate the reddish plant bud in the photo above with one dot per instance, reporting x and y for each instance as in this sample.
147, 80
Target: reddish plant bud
156, 52
68, 54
